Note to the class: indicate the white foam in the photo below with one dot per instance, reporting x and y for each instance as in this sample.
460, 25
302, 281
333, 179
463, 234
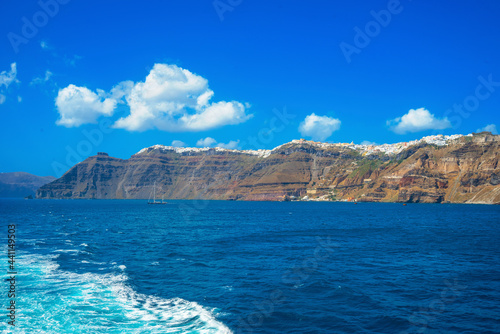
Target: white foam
70, 251
66, 251
53, 299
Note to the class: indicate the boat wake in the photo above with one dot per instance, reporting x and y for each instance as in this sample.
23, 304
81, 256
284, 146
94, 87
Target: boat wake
51, 300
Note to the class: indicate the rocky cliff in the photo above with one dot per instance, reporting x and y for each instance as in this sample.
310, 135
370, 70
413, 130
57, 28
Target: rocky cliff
464, 170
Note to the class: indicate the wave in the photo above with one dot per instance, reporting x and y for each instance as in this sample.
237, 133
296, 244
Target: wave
51, 300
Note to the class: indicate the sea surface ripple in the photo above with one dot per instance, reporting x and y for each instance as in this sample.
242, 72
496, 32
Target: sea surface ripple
252, 267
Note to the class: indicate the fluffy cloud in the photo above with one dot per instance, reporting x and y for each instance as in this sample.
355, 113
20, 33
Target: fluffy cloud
319, 127
232, 145
418, 120
122, 90
170, 99
210, 142
175, 99
206, 142
178, 143
79, 105
6, 79
489, 128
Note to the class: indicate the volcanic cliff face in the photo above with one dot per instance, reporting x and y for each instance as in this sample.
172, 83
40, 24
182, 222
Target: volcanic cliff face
465, 170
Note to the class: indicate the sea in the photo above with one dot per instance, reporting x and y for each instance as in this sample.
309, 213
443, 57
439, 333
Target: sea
123, 266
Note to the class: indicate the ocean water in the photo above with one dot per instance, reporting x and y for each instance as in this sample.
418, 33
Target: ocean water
252, 267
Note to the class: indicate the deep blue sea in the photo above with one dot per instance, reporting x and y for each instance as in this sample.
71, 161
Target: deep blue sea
90, 266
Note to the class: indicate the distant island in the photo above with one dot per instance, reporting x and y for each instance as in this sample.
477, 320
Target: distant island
434, 169
21, 184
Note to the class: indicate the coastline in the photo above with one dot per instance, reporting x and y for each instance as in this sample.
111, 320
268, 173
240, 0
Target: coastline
463, 170
244, 200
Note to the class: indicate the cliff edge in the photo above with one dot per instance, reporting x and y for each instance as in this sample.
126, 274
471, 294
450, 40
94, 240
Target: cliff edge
436, 169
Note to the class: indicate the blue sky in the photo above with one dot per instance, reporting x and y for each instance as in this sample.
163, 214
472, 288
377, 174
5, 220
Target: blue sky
244, 74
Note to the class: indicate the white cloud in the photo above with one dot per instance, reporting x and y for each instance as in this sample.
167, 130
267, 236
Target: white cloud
210, 142
368, 143
122, 90
40, 80
489, 128
232, 145
178, 143
6, 79
175, 99
210, 117
44, 45
79, 105
170, 99
319, 127
418, 120
19, 99
206, 142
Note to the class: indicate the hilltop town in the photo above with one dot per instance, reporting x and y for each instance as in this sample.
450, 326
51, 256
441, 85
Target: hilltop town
389, 149
364, 149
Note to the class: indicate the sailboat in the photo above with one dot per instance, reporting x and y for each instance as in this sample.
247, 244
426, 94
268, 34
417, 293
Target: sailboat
154, 197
